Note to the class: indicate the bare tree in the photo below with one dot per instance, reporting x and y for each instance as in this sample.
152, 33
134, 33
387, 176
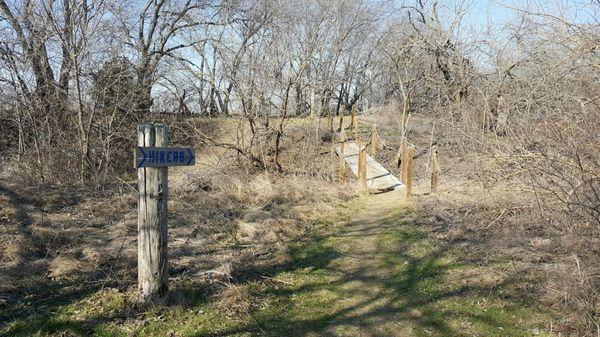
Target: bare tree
155, 33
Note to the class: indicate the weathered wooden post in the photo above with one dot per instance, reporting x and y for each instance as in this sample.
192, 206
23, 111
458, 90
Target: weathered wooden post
374, 141
342, 165
356, 129
341, 112
362, 165
352, 118
434, 171
332, 151
409, 173
153, 277
152, 158
330, 121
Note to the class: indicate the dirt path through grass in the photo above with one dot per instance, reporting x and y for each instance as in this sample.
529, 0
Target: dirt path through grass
382, 275
374, 267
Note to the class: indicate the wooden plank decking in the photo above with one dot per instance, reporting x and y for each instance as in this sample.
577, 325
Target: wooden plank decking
378, 178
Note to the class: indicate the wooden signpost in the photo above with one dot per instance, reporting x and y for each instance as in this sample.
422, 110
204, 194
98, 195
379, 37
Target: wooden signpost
152, 159
163, 156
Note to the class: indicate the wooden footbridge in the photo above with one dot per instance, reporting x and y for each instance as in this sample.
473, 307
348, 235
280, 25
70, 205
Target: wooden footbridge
378, 177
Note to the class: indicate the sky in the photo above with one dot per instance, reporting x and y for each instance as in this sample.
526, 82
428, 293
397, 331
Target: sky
497, 12
485, 19
483, 12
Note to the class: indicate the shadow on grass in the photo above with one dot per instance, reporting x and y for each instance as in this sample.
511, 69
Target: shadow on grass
394, 285
51, 306
29, 304
413, 295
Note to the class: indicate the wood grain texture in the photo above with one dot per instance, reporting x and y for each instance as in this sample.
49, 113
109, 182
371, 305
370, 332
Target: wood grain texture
362, 166
152, 219
378, 177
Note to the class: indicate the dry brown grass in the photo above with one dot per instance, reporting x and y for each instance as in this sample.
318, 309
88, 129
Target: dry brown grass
67, 266
234, 301
66, 240
224, 216
486, 201
16, 249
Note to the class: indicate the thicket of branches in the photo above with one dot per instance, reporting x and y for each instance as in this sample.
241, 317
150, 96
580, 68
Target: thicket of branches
76, 76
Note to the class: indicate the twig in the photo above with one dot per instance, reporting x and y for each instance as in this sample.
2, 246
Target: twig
277, 280
498, 218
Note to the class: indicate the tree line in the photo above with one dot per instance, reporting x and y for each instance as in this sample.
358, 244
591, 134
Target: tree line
77, 75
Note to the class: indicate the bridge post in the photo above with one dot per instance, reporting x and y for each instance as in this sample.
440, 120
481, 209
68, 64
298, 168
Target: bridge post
342, 165
374, 140
362, 165
434, 171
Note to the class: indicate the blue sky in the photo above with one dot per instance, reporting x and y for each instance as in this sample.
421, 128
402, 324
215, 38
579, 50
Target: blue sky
485, 19
497, 12
483, 12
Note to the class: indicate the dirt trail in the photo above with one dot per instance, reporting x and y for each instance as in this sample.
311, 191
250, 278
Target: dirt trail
384, 274
368, 306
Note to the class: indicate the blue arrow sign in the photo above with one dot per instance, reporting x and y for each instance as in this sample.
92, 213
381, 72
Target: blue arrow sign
164, 156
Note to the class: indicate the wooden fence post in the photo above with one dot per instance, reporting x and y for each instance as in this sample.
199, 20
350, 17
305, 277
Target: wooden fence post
362, 165
352, 118
342, 167
341, 112
374, 140
409, 172
332, 151
153, 277
434, 171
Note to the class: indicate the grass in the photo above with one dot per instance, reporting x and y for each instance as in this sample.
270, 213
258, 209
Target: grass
440, 296
380, 275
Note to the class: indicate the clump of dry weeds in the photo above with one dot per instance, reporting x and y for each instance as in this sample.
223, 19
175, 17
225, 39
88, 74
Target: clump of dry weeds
221, 212
488, 201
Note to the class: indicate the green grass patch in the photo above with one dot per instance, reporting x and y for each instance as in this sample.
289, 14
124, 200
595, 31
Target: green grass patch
441, 297
382, 276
